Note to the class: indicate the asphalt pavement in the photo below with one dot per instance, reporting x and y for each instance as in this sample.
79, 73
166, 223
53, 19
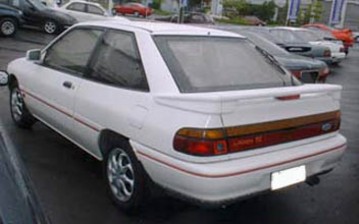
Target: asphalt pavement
71, 189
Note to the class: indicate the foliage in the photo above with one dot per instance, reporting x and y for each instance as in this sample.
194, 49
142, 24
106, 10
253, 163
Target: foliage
313, 11
235, 20
317, 10
237, 8
282, 14
156, 4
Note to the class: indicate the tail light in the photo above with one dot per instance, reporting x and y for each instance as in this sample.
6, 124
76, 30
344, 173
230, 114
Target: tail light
296, 73
323, 74
327, 53
201, 142
221, 141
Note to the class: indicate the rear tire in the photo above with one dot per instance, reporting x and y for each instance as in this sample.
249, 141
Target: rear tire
125, 177
19, 112
50, 27
8, 27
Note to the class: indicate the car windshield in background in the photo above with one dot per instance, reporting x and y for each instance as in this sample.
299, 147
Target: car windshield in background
203, 64
286, 36
261, 42
37, 4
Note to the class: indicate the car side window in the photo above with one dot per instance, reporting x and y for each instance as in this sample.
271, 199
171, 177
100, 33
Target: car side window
76, 7
117, 62
72, 52
95, 10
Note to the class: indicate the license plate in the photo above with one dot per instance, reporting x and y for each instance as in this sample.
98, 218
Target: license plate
287, 177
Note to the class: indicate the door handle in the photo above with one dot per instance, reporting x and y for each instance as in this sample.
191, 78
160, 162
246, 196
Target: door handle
67, 84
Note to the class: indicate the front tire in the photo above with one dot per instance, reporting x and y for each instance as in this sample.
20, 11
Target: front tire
125, 177
8, 27
19, 113
50, 27
114, 12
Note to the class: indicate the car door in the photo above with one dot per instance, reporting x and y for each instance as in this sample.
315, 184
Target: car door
51, 93
114, 94
31, 13
77, 10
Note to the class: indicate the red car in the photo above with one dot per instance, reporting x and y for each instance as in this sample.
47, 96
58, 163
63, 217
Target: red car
133, 8
345, 35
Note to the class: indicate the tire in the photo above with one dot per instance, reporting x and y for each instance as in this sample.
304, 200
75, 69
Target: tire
50, 27
125, 177
8, 27
114, 12
19, 113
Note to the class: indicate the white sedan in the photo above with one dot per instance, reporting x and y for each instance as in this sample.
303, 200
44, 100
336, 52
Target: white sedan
336, 48
84, 11
200, 112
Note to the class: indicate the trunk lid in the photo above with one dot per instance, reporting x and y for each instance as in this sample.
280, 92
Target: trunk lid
258, 118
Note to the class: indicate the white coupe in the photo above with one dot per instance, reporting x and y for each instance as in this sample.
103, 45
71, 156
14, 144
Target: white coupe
200, 112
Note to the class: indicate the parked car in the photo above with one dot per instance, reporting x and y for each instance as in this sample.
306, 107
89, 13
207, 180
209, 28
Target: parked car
37, 14
356, 36
198, 111
84, 11
18, 200
294, 43
344, 35
10, 20
337, 50
133, 8
190, 17
306, 69
254, 21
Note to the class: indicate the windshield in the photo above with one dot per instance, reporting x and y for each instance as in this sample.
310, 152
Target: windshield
203, 64
287, 36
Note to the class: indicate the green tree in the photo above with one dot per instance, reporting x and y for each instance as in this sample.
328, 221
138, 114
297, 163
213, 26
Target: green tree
318, 10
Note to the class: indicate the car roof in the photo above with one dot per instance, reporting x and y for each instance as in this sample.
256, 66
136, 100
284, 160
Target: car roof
84, 2
161, 28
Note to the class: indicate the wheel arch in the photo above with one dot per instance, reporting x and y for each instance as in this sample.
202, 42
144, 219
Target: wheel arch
107, 137
12, 81
11, 17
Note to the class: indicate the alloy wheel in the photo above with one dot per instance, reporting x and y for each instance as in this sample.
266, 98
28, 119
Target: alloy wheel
17, 105
120, 174
8, 28
50, 27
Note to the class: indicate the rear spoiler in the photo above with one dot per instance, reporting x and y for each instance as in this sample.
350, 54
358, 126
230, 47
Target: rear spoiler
213, 102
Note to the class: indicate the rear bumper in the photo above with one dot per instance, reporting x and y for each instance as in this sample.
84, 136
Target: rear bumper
338, 57
219, 182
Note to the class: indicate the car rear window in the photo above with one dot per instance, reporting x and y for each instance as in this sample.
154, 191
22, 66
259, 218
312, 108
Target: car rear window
206, 64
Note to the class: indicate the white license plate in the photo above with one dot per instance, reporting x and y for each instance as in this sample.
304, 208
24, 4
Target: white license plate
287, 177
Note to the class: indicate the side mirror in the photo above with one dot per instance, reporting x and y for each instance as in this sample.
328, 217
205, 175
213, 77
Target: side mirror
33, 55
4, 78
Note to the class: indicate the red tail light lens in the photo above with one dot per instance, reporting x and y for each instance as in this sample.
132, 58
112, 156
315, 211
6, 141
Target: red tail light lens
203, 146
296, 73
212, 142
327, 53
323, 74
290, 97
